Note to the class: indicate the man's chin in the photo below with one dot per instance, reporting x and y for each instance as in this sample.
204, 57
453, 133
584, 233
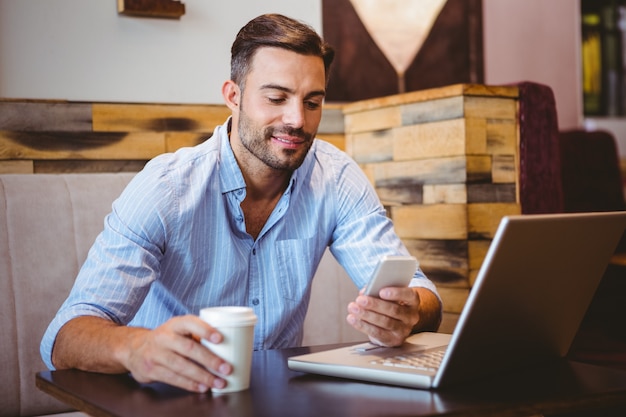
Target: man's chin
288, 162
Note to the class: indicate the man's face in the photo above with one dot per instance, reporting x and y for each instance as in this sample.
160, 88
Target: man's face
281, 107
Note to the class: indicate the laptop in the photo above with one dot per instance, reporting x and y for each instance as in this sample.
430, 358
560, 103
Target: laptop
530, 296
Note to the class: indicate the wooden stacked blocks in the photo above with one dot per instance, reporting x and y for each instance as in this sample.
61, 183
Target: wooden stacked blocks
443, 161
49, 136
58, 136
445, 164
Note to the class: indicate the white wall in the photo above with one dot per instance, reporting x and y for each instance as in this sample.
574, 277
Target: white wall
83, 50
536, 40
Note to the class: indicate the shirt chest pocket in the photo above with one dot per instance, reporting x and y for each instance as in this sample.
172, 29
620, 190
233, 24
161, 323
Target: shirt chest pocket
297, 260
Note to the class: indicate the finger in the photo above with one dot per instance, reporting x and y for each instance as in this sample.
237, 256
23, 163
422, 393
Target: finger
187, 345
200, 383
388, 316
389, 308
194, 327
384, 314
384, 327
376, 334
170, 354
401, 295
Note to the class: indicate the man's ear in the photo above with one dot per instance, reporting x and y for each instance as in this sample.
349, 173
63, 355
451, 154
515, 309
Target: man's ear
232, 95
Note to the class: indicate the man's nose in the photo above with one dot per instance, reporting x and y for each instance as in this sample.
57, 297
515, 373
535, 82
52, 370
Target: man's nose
294, 115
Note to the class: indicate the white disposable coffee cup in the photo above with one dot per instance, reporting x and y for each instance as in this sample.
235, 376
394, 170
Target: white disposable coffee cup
236, 324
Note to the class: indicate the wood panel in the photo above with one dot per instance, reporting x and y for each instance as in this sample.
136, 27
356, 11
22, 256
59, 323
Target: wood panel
45, 116
443, 161
177, 140
444, 194
81, 145
443, 261
431, 221
453, 298
446, 170
16, 167
169, 9
60, 136
157, 117
372, 120
68, 166
483, 219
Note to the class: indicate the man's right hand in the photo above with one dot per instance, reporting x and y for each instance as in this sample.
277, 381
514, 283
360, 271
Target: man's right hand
171, 353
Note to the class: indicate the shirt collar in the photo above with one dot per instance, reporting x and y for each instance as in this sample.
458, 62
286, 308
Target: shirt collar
231, 178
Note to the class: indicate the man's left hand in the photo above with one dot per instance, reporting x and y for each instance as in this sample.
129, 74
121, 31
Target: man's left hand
399, 311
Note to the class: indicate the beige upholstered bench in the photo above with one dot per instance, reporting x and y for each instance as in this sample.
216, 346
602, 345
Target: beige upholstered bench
48, 222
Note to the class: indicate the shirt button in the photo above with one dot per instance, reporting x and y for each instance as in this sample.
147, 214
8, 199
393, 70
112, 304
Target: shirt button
254, 251
255, 302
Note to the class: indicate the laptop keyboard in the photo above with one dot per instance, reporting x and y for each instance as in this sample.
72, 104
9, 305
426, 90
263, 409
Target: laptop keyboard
421, 360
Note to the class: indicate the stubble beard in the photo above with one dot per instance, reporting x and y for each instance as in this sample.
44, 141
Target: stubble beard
257, 141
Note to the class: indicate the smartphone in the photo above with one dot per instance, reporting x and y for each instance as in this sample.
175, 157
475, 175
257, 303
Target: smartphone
392, 271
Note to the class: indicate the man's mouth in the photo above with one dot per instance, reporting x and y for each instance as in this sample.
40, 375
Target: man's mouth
291, 141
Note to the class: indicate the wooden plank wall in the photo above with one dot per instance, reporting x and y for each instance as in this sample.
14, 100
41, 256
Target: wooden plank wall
59, 137
445, 164
443, 161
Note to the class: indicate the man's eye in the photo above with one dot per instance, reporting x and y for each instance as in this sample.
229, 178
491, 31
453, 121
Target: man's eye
276, 100
312, 105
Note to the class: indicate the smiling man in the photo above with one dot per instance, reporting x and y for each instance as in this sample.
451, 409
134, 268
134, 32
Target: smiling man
241, 219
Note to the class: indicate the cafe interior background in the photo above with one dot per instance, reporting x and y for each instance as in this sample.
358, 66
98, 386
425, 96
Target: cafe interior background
90, 52
66, 56
104, 86
86, 51
90, 86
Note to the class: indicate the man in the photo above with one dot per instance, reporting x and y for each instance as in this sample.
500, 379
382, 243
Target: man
242, 219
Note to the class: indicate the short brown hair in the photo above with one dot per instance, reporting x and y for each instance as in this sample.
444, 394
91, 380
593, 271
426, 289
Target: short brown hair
275, 30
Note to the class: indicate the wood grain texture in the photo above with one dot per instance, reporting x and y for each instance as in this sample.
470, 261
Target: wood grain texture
445, 108
429, 140
67, 166
80, 145
157, 117
434, 221
374, 119
451, 170
484, 218
503, 169
470, 90
45, 116
444, 194
332, 119
373, 146
16, 167
491, 193
453, 298
444, 261
501, 136
339, 140
177, 140
169, 9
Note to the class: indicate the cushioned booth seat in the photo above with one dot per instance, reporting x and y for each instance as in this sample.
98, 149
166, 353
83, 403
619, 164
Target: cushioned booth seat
47, 225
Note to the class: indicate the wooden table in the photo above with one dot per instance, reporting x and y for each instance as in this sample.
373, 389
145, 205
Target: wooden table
277, 391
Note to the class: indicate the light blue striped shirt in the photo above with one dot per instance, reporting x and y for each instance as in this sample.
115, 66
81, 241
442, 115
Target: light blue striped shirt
176, 242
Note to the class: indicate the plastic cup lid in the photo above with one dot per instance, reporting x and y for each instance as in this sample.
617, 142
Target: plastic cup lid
228, 316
